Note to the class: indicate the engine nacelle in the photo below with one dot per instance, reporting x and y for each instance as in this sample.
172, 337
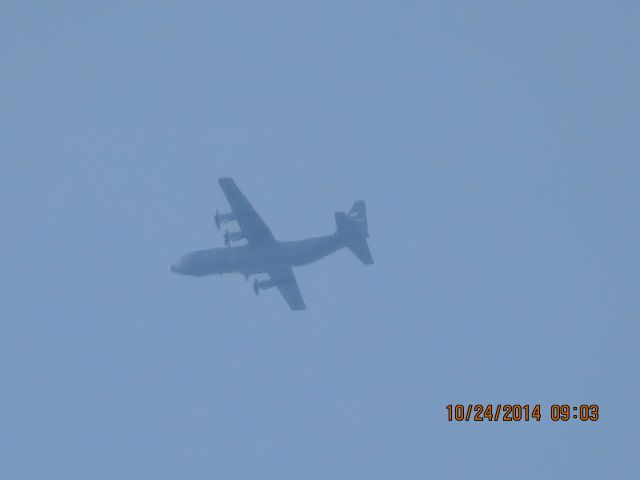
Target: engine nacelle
221, 218
262, 284
232, 237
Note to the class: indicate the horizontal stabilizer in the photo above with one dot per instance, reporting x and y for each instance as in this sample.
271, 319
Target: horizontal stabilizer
361, 250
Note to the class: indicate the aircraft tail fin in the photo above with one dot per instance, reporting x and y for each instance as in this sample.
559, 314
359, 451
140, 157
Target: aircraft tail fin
353, 227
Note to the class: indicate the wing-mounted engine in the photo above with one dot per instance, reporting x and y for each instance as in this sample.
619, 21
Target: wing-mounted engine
221, 218
262, 285
285, 281
232, 237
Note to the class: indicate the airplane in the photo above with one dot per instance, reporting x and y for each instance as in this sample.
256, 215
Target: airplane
262, 254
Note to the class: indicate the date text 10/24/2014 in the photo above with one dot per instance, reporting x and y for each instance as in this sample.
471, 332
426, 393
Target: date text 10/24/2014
521, 412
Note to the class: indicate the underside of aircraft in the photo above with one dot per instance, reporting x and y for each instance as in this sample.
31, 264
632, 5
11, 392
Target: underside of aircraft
262, 254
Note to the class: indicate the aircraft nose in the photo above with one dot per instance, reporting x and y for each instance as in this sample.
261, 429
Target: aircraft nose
182, 266
175, 268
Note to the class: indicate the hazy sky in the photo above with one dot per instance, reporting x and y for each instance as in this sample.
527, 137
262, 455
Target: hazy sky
497, 147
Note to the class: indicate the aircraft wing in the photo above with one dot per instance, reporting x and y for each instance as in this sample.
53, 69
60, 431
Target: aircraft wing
252, 226
285, 280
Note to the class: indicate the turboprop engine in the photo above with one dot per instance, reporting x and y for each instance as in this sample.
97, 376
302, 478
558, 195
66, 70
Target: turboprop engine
262, 284
232, 237
221, 218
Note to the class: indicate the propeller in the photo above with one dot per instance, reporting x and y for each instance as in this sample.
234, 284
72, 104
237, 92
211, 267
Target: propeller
256, 287
227, 238
246, 277
216, 219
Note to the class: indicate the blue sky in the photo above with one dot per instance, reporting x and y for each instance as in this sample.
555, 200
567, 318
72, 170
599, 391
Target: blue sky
496, 145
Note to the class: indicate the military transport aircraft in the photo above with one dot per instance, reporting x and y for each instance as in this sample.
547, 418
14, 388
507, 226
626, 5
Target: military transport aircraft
262, 254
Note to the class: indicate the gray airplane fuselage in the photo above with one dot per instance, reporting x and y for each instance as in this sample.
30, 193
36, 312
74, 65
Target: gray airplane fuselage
250, 259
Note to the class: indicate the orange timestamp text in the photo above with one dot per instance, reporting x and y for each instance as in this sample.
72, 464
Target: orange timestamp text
516, 412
